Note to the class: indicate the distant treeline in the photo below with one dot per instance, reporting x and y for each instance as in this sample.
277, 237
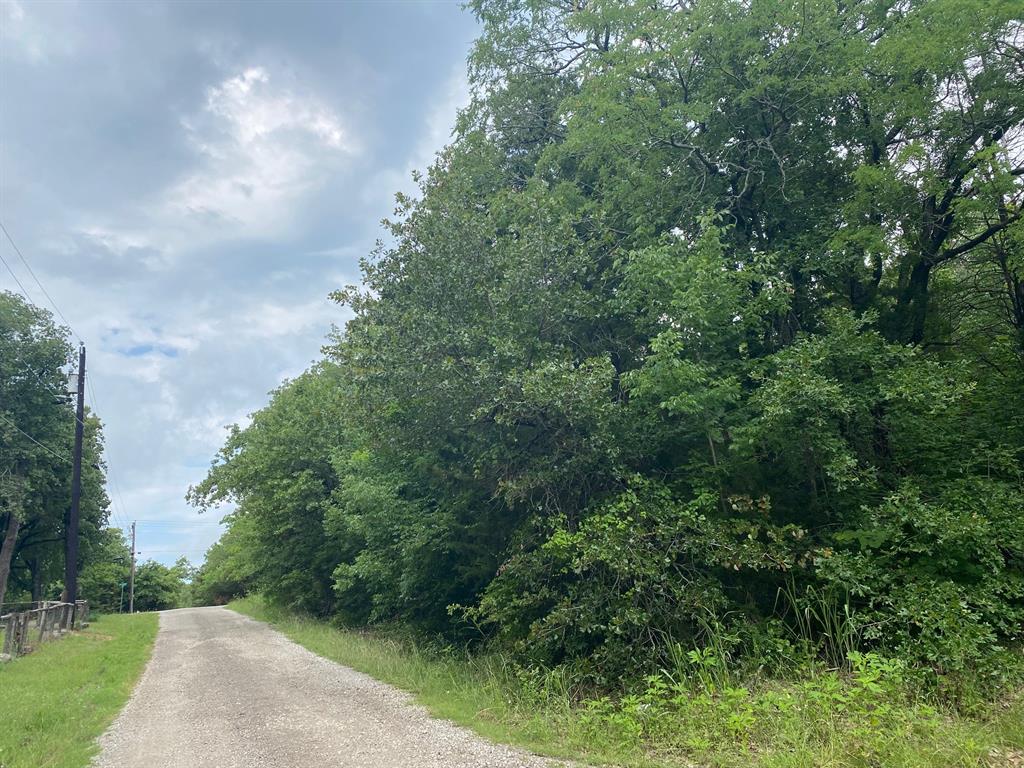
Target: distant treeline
709, 323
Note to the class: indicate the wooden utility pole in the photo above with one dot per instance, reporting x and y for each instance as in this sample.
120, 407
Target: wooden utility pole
71, 532
131, 577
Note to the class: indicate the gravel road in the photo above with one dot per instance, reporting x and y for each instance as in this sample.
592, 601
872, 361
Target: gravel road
224, 691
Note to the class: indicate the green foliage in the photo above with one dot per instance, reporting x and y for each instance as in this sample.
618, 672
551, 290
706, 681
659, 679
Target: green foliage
35, 474
706, 331
696, 711
158, 587
101, 579
229, 570
279, 472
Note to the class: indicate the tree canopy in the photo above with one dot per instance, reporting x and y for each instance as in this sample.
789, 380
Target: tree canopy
711, 315
37, 421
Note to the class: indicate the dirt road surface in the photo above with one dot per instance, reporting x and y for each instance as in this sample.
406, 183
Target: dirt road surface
224, 691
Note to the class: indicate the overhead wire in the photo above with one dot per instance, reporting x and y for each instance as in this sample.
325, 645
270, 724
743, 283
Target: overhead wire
26, 434
46, 293
28, 298
179, 522
50, 389
28, 369
120, 516
24, 291
49, 298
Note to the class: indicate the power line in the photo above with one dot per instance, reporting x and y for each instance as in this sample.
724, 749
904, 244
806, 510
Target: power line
119, 518
39, 378
180, 522
26, 434
192, 550
23, 291
122, 522
49, 389
49, 298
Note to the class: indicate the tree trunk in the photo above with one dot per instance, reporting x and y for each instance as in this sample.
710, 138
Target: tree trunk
912, 305
7, 553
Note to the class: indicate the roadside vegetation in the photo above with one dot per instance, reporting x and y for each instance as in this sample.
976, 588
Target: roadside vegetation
690, 385
37, 420
699, 711
36, 436
57, 700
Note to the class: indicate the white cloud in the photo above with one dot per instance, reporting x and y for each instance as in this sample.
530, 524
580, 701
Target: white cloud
253, 112
27, 36
198, 271
260, 149
268, 320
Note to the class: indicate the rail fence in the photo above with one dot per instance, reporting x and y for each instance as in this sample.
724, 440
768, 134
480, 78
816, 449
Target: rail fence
27, 630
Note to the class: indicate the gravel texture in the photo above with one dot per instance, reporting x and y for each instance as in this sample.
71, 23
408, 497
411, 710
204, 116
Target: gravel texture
224, 691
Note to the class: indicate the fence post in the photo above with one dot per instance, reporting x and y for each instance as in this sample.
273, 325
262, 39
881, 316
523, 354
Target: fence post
81, 613
8, 651
20, 633
52, 619
42, 623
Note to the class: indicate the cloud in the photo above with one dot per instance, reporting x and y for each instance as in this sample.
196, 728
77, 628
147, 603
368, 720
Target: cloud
440, 120
261, 148
437, 132
121, 249
27, 36
189, 182
268, 320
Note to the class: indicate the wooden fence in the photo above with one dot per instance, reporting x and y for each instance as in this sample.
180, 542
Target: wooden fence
27, 630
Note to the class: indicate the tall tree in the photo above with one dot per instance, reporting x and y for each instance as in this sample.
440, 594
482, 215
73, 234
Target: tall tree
34, 417
707, 301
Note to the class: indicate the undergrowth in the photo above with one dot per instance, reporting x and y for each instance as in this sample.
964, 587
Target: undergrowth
871, 712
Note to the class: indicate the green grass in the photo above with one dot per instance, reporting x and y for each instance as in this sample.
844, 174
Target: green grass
825, 720
55, 701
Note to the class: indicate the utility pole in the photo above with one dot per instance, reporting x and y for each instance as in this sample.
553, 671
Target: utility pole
71, 532
131, 576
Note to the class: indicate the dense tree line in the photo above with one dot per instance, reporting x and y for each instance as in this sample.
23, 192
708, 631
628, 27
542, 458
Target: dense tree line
710, 319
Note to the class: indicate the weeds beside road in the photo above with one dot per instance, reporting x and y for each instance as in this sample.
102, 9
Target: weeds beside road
57, 700
696, 715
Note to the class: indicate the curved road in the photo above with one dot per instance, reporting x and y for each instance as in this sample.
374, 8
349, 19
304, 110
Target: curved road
224, 691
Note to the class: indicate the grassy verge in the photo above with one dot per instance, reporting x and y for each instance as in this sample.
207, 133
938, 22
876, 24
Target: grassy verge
866, 718
55, 701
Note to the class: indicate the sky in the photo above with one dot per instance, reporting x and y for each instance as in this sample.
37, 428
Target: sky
189, 181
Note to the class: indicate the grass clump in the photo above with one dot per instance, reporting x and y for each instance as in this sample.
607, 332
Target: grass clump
698, 713
57, 700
